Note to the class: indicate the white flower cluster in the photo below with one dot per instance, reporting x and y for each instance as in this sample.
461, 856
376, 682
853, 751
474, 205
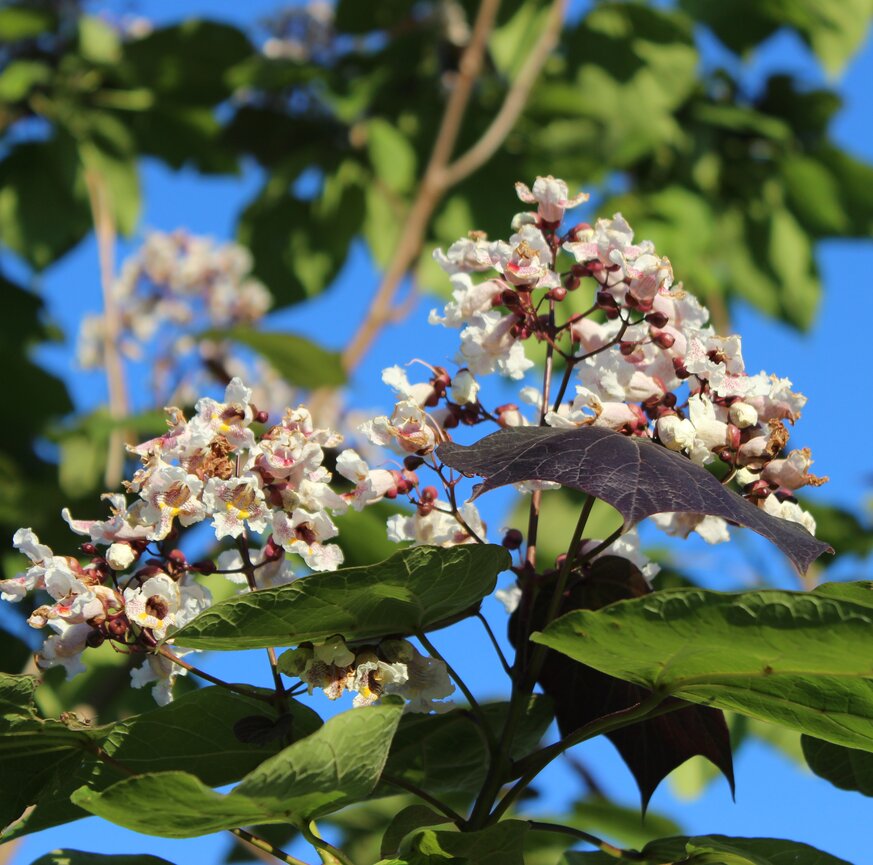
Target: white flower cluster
641, 359
213, 468
392, 667
176, 285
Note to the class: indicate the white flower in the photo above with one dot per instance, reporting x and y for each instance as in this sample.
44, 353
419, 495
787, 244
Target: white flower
436, 528
743, 415
468, 300
120, 556
302, 532
712, 529
64, 648
371, 485
230, 419
426, 682
171, 492
789, 510
675, 433
464, 388
408, 430
162, 671
551, 196
373, 677
234, 503
487, 345
161, 603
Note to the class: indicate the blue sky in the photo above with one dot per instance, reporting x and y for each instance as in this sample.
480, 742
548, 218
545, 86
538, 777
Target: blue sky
774, 798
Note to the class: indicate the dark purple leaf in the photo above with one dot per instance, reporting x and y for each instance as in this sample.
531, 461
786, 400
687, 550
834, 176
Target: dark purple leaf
651, 749
638, 477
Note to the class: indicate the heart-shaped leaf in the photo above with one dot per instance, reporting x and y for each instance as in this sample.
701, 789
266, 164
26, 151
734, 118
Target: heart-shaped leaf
338, 764
638, 477
413, 590
846, 768
651, 749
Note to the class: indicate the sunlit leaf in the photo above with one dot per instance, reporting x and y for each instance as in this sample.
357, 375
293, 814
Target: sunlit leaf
797, 659
414, 590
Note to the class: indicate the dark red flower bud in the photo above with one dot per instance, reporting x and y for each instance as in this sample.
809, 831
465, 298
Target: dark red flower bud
627, 348
513, 539
205, 567
95, 639
262, 416
558, 293
89, 549
412, 462
657, 319
663, 339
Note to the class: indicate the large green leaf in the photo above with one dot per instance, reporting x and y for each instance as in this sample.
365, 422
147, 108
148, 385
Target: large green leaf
716, 850
797, 659
297, 359
412, 591
194, 734
336, 765
391, 155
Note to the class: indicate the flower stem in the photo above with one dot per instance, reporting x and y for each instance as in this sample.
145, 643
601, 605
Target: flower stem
237, 689
435, 803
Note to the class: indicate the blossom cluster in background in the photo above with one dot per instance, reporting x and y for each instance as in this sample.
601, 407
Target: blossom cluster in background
170, 294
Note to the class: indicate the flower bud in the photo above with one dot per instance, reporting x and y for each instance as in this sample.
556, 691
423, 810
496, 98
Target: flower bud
465, 388
657, 319
89, 549
558, 293
663, 339
262, 417
120, 556
743, 415
513, 539
412, 462
205, 567
95, 639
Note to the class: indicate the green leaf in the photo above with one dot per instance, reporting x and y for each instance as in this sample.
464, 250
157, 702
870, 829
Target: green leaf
336, 765
790, 253
792, 658
299, 246
20, 21
502, 844
108, 150
408, 820
191, 62
814, 195
20, 77
79, 857
99, 42
619, 822
297, 359
447, 753
391, 155
32, 174
412, 591
194, 734
354, 17
510, 43
716, 850
846, 768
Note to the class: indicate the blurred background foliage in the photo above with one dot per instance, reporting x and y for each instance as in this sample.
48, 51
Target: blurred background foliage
339, 109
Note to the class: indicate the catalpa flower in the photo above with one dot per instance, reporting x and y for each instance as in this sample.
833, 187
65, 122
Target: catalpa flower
551, 197
235, 503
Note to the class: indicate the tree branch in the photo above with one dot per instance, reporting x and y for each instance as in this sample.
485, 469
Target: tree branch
104, 229
514, 102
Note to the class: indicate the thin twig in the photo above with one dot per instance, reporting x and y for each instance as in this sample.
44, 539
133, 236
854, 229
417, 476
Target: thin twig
431, 188
244, 690
503, 662
514, 102
593, 840
435, 803
262, 844
474, 704
104, 229
249, 571
531, 766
